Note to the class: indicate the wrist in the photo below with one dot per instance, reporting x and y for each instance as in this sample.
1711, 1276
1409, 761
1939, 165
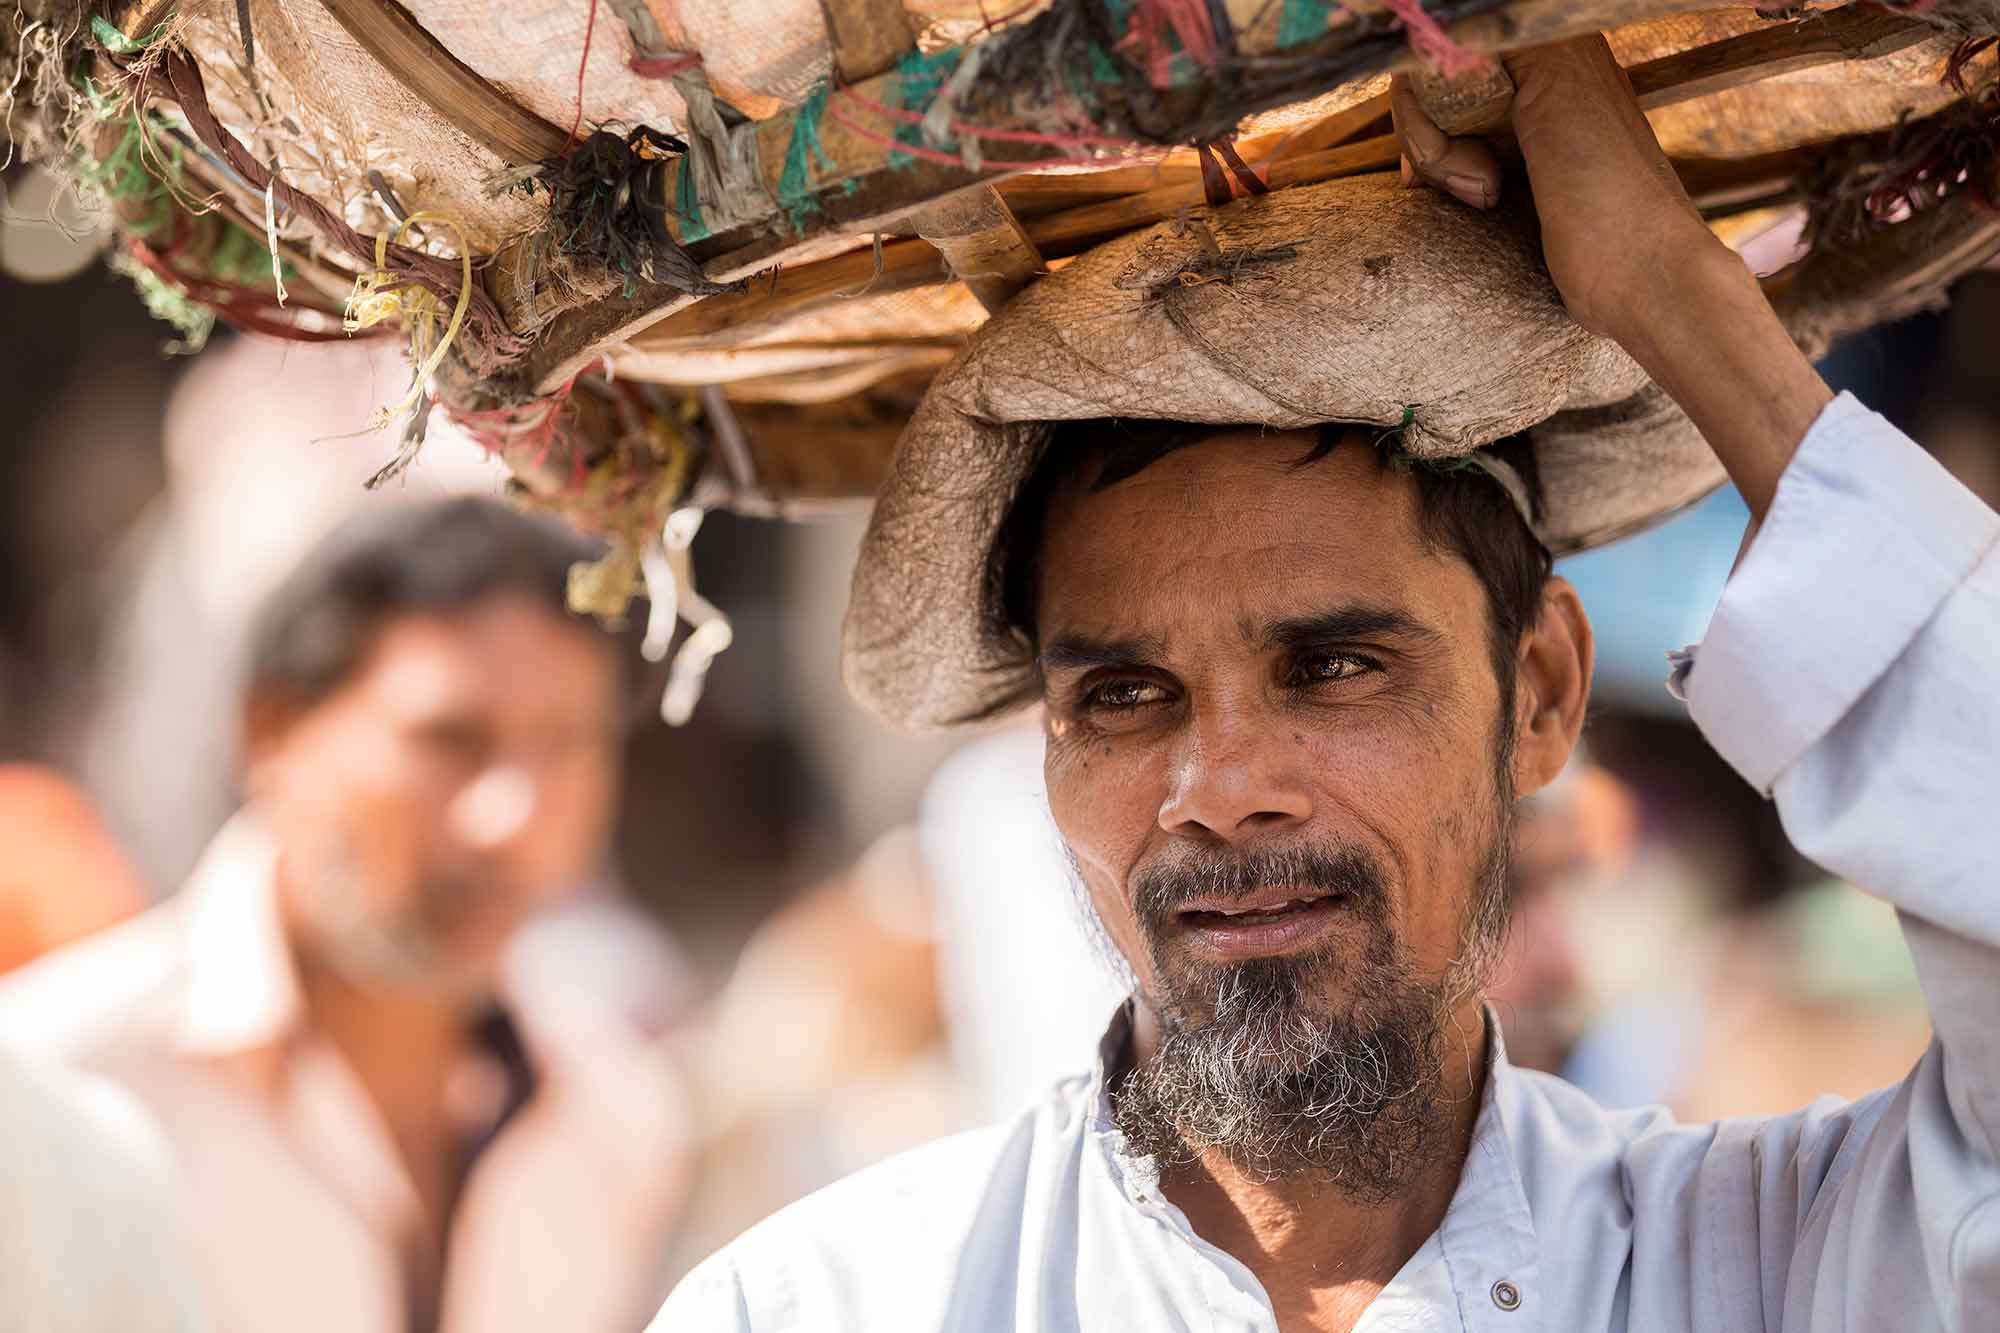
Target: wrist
1714, 344
1678, 296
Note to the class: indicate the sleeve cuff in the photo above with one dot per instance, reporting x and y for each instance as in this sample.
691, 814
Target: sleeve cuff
1866, 537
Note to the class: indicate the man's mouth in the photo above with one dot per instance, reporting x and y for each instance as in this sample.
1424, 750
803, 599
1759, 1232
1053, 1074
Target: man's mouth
1269, 921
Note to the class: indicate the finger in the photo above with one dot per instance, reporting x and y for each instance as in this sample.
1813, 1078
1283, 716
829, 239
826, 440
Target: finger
1463, 168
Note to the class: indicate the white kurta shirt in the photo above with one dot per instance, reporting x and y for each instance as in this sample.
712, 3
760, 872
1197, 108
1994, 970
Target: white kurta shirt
1850, 670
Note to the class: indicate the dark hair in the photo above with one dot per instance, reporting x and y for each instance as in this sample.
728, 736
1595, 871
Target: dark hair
436, 559
1461, 510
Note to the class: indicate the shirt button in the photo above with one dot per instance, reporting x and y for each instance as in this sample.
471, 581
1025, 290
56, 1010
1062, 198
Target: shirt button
1506, 1295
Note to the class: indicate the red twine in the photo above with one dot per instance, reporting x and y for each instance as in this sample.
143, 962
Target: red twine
1187, 22
1430, 41
582, 68
242, 308
531, 428
839, 117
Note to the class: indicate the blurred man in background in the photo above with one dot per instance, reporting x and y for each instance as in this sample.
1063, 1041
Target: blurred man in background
380, 1129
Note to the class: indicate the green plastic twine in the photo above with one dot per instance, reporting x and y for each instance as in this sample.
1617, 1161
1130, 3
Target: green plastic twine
1300, 21
122, 175
240, 256
918, 79
687, 205
795, 193
116, 42
168, 304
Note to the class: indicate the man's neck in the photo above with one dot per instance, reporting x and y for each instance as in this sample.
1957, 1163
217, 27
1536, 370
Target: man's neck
1321, 1255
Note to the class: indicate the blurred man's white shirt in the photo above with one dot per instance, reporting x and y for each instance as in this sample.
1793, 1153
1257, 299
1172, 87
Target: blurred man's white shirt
1024, 999
88, 1241
300, 1212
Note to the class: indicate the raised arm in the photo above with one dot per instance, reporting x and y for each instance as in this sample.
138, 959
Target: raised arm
1850, 671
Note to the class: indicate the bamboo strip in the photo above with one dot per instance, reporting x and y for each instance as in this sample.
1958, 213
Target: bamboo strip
983, 241
447, 84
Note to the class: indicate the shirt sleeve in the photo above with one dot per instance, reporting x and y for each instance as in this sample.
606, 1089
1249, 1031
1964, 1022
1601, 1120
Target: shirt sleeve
1850, 672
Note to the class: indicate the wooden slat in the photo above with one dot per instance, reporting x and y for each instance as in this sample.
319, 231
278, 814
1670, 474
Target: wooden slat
867, 36
446, 84
807, 457
1033, 194
1534, 22
1343, 126
1077, 229
1855, 32
137, 18
1731, 182
905, 265
984, 243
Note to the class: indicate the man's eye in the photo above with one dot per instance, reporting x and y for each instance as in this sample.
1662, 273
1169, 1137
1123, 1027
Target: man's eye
1116, 695
1333, 666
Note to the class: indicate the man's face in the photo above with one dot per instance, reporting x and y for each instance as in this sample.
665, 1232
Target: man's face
1275, 748
460, 779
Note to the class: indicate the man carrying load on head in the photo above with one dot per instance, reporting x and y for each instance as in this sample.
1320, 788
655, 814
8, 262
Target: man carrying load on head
1296, 675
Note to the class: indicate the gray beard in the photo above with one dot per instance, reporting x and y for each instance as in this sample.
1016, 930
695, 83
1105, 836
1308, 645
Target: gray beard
1251, 1066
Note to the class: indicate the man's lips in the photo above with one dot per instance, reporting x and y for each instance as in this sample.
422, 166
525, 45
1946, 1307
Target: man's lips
1275, 920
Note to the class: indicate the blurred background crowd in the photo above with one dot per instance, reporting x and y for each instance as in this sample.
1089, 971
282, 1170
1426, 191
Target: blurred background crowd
790, 942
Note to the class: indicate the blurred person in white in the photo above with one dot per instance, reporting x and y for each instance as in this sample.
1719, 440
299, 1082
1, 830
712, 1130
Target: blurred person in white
1572, 846
1292, 695
380, 1131
1024, 994
89, 1242
1810, 995
824, 1051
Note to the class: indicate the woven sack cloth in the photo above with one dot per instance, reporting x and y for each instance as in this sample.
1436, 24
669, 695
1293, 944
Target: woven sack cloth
1353, 301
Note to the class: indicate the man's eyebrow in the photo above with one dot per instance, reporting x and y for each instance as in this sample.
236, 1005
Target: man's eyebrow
1341, 624
1080, 652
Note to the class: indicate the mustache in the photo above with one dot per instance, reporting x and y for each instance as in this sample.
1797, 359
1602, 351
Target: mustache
1161, 890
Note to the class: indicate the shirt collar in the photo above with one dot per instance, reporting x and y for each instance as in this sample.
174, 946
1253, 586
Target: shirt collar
1487, 1235
242, 990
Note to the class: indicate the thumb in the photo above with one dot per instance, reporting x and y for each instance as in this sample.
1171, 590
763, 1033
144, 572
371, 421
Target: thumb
1463, 168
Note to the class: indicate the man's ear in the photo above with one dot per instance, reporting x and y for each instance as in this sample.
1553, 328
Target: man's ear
1551, 687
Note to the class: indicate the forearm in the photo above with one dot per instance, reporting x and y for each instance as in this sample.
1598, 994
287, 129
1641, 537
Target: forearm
1708, 337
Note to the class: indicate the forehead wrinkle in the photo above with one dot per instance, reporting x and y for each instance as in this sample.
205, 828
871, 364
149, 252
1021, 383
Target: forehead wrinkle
1204, 534
1079, 651
1350, 620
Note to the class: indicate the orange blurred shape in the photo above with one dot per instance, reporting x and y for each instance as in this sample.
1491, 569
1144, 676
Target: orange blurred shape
61, 874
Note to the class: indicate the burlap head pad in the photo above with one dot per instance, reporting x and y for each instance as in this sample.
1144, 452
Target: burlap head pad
1353, 301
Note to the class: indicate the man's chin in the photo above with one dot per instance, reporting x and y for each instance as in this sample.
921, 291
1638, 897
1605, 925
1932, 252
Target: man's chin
1293, 1067
1192, 990
448, 969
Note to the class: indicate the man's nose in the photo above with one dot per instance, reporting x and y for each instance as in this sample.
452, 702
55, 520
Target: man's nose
1235, 778
494, 808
